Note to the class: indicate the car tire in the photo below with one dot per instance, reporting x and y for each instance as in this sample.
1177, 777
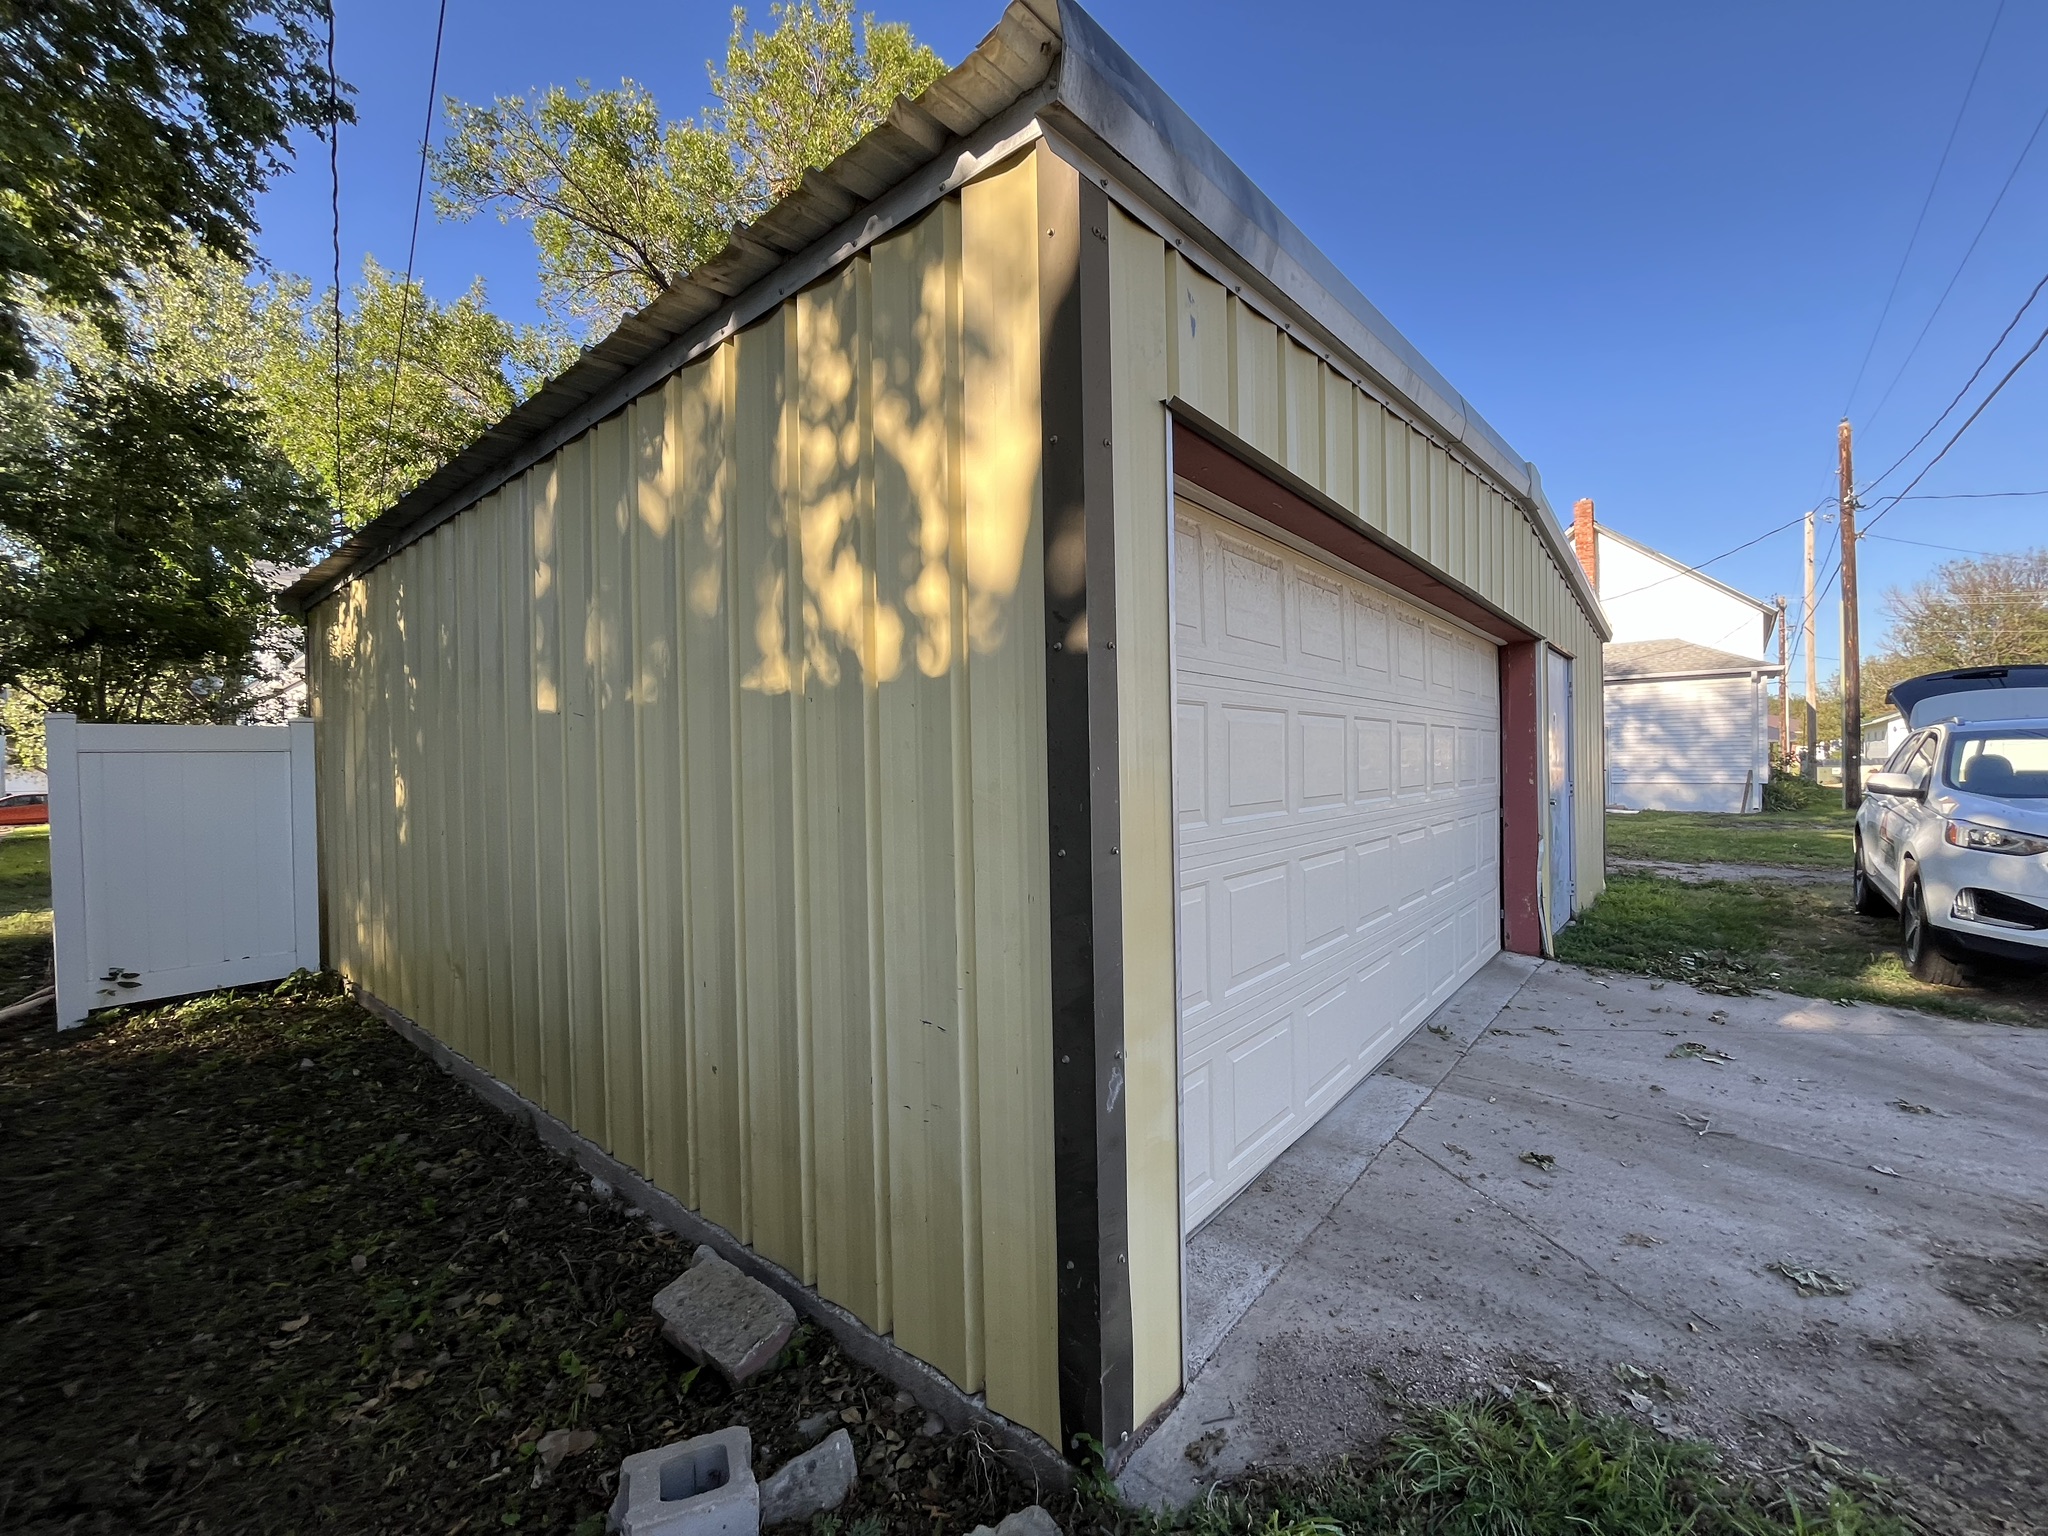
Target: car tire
1927, 958
1863, 893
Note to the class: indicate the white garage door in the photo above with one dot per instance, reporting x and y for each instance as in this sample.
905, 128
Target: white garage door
1337, 783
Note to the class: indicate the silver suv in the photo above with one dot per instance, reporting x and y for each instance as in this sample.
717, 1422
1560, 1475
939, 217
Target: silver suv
1953, 833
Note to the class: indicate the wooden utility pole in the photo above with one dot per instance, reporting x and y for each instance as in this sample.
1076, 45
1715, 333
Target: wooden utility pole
1852, 669
1784, 688
1812, 667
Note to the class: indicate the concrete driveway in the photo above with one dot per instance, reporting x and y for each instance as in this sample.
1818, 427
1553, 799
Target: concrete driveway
1586, 1180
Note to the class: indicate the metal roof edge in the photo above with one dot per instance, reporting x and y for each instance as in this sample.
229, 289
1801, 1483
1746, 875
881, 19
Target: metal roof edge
1760, 669
1108, 93
895, 170
1042, 55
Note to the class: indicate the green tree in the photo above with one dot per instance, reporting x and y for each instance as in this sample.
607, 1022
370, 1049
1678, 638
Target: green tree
271, 337
1984, 612
143, 525
133, 132
622, 203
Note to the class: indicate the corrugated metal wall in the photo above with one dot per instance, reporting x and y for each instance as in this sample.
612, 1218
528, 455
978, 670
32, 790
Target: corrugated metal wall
1227, 360
1181, 334
694, 785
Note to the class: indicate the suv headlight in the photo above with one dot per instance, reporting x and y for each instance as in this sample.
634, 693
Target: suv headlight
1972, 834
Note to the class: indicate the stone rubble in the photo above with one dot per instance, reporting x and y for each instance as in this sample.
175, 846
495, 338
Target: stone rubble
723, 1318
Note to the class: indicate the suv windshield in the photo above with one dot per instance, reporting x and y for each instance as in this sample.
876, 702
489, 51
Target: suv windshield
2010, 764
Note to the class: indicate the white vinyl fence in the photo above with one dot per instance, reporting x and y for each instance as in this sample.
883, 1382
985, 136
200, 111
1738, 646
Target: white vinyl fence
182, 858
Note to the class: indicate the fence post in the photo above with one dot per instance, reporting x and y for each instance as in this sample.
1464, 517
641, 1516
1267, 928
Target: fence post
305, 844
67, 872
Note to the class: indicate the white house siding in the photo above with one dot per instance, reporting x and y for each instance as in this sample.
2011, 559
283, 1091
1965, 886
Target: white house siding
1647, 599
1686, 744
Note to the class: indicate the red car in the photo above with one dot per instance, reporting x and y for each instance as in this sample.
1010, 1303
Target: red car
24, 810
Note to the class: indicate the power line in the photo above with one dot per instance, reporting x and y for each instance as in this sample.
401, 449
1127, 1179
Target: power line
1885, 538
2025, 150
1956, 436
1925, 203
1975, 374
334, 207
1967, 495
419, 193
1693, 569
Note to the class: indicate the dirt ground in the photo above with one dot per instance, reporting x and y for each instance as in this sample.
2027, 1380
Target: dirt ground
267, 1268
1600, 1184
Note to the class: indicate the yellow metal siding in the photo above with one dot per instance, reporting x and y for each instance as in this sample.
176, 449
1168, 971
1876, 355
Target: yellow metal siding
694, 784
1140, 318
1242, 371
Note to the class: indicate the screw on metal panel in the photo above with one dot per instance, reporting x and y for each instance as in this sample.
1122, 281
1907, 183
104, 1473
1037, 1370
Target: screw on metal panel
1112, 847
1063, 853
1056, 645
1112, 645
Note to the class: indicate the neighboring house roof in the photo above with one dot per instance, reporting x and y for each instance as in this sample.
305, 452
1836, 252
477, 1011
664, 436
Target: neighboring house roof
1680, 568
1045, 57
1640, 659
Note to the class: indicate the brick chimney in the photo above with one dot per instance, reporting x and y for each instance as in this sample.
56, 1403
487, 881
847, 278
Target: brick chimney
1584, 540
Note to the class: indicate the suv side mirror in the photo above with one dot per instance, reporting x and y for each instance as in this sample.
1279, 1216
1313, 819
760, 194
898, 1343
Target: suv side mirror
1882, 783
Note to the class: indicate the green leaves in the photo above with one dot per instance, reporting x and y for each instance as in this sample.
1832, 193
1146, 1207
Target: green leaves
406, 406
133, 132
622, 203
138, 517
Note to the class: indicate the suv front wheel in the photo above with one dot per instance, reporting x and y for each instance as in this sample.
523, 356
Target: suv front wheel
1926, 956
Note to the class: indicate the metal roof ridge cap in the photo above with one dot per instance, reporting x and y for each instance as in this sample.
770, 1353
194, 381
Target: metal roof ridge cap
1097, 74
1110, 94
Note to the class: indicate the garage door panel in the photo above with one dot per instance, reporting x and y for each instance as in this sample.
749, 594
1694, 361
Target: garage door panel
1319, 624
1337, 793
1191, 764
1253, 618
1323, 776
1371, 647
1195, 949
1254, 911
1373, 891
1259, 1094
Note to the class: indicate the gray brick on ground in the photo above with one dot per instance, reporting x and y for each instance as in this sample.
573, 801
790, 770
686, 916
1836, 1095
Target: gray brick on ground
1032, 1520
700, 1487
818, 1480
724, 1319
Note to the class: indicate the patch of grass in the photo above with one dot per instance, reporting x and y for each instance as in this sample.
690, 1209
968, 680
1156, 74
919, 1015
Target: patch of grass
1531, 1466
24, 912
1820, 838
1754, 935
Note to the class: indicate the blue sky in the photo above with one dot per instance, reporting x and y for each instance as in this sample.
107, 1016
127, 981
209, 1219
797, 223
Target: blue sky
1650, 243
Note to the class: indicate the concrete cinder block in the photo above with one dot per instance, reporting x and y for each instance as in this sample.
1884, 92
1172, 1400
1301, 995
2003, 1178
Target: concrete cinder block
700, 1487
724, 1319
1032, 1520
807, 1485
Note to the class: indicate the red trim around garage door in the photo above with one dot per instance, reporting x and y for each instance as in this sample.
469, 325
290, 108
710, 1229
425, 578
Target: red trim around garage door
1217, 470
